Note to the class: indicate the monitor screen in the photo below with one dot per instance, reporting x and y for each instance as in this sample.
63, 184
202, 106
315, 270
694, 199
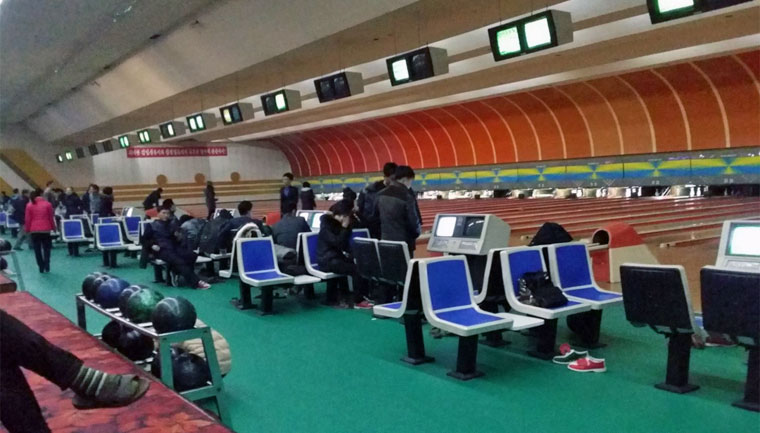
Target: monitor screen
400, 70
93, 149
80, 152
744, 240
473, 227
325, 90
167, 130
421, 66
445, 226
107, 146
538, 33
280, 103
664, 6
508, 41
340, 86
231, 114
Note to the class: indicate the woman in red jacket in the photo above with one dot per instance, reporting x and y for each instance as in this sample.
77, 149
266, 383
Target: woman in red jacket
39, 222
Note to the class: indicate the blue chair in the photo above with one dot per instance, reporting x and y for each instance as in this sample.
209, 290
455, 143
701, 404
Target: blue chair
11, 223
94, 218
247, 231
514, 263
109, 241
72, 232
132, 227
358, 233
658, 296
571, 271
731, 308
108, 220
257, 267
448, 304
309, 249
3, 221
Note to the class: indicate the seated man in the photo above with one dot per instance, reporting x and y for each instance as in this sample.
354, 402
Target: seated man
22, 347
286, 231
230, 228
167, 244
333, 251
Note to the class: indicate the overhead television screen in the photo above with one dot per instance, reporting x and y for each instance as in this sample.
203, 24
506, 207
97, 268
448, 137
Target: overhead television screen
744, 240
93, 149
446, 226
473, 227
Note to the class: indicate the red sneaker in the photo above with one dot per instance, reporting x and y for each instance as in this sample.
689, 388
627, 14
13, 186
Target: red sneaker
588, 364
364, 305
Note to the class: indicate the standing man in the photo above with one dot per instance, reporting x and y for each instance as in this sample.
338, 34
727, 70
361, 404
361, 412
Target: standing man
308, 201
49, 194
151, 201
396, 206
91, 200
288, 193
210, 195
19, 202
367, 202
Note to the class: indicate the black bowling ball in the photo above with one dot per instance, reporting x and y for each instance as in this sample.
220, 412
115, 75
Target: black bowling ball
189, 371
111, 333
135, 345
90, 291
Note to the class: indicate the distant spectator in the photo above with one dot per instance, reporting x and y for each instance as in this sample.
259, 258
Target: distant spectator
210, 196
230, 228
49, 193
91, 200
18, 203
152, 200
39, 222
4, 199
307, 197
367, 202
349, 195
72, 202
288, 193
167, 244
106, 203
397, 209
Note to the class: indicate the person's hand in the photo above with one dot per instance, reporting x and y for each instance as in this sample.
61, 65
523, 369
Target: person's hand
155, 248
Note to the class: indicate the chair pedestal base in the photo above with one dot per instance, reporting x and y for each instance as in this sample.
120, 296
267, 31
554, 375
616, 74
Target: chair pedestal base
308, 292
751, 400
109, 258
494, 339
467, 356
547, 336
586, 327
415, 345
677, 376
244, 301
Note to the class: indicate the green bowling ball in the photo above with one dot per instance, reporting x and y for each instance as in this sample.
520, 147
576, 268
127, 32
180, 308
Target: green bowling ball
141, 304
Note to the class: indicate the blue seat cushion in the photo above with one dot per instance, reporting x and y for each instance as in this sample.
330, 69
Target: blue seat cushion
592, 294
467, 317
111, 244
265, 275
569, 304
391, 306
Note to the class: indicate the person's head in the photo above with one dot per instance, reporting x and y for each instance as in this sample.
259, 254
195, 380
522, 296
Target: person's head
209, 183
159, 190
290, 208
108, 190
58, 192
342, 210
287, 179
165, 211
93, 188
25, 192
169, 203
36, 193
15, 190
306, 185
69, 190
389, 169
244, 208
404, 175
184, 218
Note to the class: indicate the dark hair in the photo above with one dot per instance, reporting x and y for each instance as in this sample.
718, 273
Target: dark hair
97, 188
24, 191
184, 218
389, 169
36, 193
50, 182
168, 202
306, 185
244, 207
57, 190
108, 190
404, 172
288, 175
15, 190
160, 190
289, 207
343, 207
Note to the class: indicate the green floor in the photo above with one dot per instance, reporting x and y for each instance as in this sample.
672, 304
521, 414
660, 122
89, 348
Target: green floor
317, 369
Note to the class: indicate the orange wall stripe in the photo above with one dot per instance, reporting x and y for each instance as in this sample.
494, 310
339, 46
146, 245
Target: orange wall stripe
501, 133
401, 130
331, 145
328, 135
647, 115
615, 120
351, 143
438, 130
460, 135
531, 153
481, 134
428, 147
378, 141
719, 100
575, 134
681, 108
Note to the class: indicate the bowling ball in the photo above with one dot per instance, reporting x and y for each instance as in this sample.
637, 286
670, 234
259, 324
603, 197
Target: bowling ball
89, 292
141, 304
155, 365
87, 282
108, 292
111, 333
135, 345
5, 245
189, 371
173, 314
124, 298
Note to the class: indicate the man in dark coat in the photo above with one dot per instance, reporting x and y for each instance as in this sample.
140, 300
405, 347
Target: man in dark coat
19, 202
333, 246
286, 231
151, 201
229, 229
288, 193
72, 203
397, 210
165, 236
367, 202
307, 197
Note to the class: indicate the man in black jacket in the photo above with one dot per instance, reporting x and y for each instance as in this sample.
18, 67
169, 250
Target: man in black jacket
333, 251
151, 201
397, 209
367, 202
19, 202
165, 236
286, 231
230, 228
288, 193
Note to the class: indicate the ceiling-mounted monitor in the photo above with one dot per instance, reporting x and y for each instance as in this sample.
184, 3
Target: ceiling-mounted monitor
340, 85
59, 158
80, 152
127, 140
106, 145
235, 113
417, 65
281, 101
171, 129
93, 148
201, 122
666, 10
149, 135
534, 33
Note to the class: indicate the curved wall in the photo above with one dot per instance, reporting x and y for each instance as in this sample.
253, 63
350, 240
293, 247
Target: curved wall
691, 106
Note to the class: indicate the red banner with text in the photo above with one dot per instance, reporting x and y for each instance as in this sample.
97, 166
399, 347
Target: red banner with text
173, 152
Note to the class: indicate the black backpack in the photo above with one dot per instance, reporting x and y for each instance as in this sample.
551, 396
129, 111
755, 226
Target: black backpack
209, 243
550, 233
536, 288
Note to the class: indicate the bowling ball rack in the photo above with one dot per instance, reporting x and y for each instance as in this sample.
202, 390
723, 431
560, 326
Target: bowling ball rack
214, 389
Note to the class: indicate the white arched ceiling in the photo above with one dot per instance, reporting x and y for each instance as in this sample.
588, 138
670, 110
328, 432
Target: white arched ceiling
227, 38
